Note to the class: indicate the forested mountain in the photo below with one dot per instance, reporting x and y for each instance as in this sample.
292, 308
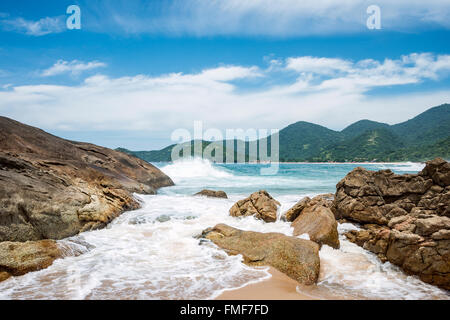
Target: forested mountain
424, 137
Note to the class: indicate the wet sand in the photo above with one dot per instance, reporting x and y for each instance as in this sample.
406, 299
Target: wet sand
278, 287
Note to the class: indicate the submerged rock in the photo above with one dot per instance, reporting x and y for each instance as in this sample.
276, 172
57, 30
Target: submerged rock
260, 204
406, 218
212, 194
163, 218
297, 258
51, 188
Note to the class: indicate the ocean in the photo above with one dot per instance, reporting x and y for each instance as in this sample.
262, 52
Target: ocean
153, 252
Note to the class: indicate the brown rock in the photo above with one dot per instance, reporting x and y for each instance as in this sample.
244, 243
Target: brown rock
19, 258
439, 170
319, 223
51, 188
325, 200
295, 211
358, 237
431, 225
409, 215
212, 194
4, 276
297, 258
259, 204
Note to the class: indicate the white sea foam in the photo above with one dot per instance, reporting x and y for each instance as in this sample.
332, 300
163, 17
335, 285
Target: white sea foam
139, 257
353, 272
403, 166
193, 168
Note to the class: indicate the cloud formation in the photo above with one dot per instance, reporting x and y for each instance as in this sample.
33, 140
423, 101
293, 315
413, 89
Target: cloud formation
37, 28
280, 18
332, 92
283, 18
339, 74
74, 67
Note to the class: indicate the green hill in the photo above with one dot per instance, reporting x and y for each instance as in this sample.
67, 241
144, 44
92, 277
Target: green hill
427, 128
424, 137
422, 153
302, 140
372, 145
362, 126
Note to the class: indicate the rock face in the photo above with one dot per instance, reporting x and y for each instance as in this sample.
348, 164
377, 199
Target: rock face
325, 200
212, 194
406, 218
259, 204
314, 217
51, 188
297, 258
18, 258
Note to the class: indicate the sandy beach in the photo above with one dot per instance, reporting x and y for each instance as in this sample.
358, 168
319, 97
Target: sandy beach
278, 287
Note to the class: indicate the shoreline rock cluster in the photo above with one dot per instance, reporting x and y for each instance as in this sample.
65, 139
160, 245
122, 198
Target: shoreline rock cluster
405, 219
298, 258
51, 188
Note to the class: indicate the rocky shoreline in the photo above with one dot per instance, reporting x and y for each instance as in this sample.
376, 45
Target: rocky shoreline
51, 188
403, 219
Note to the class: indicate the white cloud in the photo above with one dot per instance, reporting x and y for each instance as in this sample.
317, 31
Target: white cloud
74, 67
264, 17
325, 66
40, 27
347, 76
158, 105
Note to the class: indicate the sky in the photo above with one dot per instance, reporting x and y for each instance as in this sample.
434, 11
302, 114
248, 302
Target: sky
138, 70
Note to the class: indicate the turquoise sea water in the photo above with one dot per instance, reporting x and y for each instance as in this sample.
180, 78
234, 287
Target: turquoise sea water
290, 179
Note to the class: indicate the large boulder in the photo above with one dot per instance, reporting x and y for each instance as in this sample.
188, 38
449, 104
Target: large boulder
319, 223
297, 258
19, 258
212, 194
315, 218
405, 218
260, 204
51, 188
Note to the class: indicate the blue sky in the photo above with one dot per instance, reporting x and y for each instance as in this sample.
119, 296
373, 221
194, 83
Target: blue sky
138, 70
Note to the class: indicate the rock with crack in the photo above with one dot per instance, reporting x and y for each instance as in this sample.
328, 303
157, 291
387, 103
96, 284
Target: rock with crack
260, 204
405, 218
297, 258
